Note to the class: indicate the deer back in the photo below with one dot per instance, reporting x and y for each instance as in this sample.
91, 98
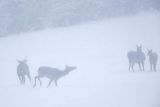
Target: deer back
49, 72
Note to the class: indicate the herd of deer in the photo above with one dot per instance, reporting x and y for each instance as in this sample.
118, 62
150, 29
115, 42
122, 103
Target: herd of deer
54, 74
138, 57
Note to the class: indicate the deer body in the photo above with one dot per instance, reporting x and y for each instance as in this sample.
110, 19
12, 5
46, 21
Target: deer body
153, 59
136, 57
53, 74
22, 71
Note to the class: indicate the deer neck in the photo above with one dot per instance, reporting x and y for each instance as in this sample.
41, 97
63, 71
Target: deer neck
65, 72
139, 51
151, 55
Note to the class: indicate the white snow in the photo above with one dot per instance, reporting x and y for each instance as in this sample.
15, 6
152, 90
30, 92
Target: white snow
98, 49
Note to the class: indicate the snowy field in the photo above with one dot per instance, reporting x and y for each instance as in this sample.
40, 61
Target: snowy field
98, 49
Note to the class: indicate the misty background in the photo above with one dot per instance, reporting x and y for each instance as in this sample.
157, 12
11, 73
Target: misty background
92, 35
17, 16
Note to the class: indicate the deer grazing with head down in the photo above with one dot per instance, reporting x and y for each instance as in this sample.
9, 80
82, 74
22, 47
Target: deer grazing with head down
136, 57
153, 58
22, 71
53, 74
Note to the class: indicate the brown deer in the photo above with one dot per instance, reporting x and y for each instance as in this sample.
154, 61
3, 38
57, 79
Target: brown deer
22, 71
136, 57
53, 74
153, 58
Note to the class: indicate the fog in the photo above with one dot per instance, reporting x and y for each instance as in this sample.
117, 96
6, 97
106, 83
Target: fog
86, 53
17, 16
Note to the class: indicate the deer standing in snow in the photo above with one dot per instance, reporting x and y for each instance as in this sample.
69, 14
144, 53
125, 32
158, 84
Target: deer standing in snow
53, 74
153, 58
136, 57
22, 71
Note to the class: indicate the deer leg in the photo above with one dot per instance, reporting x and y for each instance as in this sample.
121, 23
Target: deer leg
40, 81
129, 65
133, 67
23, 79
151, 66
55, 81
139, 66
35, 81
143, 66
49, 83
29, 77
20, 79
154, 67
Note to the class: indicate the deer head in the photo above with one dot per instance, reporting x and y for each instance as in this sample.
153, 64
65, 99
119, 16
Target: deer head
69, 68
139, 48
149, 52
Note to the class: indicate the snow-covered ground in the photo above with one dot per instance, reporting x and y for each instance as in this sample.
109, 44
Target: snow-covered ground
98, 49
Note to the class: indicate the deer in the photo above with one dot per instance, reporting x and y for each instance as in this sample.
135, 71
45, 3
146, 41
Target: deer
136, 57
153, 59
53, 74
22, 71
